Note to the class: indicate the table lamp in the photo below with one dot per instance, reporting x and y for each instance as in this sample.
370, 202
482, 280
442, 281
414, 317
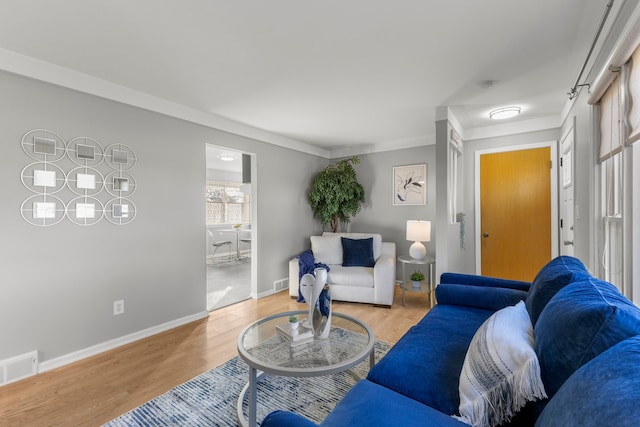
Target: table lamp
418, 232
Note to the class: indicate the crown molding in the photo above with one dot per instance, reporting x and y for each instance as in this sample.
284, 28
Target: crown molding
513, 128
381, 147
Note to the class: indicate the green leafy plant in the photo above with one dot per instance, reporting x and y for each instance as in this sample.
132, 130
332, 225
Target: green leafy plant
417, 276
293, 319
336, 195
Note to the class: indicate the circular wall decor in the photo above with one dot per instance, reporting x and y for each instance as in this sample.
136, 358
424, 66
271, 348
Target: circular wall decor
43, 145
85, 181
43, 210
120, 157
43, 177
120, 211
120, 184
85, 210
85, 151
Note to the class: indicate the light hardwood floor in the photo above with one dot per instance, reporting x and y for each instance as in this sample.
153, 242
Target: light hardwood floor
95, 390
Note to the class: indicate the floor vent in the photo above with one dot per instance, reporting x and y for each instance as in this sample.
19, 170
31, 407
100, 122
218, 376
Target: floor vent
18, 367
281, 285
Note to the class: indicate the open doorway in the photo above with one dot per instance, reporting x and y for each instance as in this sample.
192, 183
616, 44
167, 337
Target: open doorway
229, 218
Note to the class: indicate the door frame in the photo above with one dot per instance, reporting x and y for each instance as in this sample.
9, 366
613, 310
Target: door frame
253, 290
553, 145
570, 133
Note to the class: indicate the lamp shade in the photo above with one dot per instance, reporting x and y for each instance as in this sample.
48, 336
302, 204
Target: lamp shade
418, 231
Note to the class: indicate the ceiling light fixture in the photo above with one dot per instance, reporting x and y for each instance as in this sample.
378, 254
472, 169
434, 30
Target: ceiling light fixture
226, 157
504, 113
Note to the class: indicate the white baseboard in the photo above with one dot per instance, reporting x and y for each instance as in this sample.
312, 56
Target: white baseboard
262, 294
117, 342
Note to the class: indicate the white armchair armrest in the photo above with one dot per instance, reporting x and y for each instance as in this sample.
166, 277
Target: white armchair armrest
384, 274
294, 281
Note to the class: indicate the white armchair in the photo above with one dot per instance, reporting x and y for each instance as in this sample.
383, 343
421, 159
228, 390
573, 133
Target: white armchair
373, 285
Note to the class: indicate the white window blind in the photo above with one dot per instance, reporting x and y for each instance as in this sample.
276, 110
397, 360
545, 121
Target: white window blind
227, 204
610, 124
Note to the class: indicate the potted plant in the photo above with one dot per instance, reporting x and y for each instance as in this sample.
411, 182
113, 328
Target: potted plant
416, 278
293, 323
336, 195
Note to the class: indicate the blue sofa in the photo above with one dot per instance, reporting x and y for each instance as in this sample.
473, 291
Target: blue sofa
587, 340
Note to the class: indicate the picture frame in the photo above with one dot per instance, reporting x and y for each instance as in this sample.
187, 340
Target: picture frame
410, 185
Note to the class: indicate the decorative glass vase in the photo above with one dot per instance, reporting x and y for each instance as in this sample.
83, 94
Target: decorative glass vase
316, 294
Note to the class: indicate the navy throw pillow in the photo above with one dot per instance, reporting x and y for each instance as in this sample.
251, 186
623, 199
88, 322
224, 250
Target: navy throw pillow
357, 252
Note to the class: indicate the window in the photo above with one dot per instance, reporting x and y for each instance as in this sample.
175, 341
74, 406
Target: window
617, 90
455, 151
227, 204
612, 232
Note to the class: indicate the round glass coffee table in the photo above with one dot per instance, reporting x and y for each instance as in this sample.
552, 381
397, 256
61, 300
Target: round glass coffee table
267, 351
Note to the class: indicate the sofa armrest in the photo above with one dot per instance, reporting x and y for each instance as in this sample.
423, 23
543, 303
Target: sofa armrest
475, 280
286, 419
384, 274
294, 277
488, 298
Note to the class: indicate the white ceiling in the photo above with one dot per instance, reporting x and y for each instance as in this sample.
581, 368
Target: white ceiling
330, 73
213, 160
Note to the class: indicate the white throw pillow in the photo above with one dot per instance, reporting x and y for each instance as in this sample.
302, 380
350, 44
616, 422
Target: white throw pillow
501, 372
327, 249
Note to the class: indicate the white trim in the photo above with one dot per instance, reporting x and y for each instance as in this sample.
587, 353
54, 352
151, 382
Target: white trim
554, 194
513, 128
380, 147
117, 342
263, 294
635, 222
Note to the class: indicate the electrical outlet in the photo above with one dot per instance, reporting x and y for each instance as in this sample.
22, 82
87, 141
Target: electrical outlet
118, 307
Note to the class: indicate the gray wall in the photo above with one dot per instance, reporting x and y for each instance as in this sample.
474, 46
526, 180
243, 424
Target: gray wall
226, 176
379, 215
59, 283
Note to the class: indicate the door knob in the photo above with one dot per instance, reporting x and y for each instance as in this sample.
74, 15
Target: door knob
485, 234
568, 242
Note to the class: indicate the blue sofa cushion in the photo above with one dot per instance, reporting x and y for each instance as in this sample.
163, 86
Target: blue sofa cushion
285, 418
370, 404
425, 363
554, 276
357, 252
487, 298
475, 280
583, 320
603, 392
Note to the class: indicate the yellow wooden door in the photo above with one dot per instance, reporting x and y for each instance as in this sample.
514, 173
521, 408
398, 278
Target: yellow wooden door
515, 212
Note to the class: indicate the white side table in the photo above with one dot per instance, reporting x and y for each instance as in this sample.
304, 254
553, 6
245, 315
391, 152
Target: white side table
424, 287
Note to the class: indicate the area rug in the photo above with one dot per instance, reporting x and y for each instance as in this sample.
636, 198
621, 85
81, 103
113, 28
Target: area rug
210, 399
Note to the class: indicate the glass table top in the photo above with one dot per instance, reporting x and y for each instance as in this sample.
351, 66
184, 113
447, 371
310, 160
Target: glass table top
261, 345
